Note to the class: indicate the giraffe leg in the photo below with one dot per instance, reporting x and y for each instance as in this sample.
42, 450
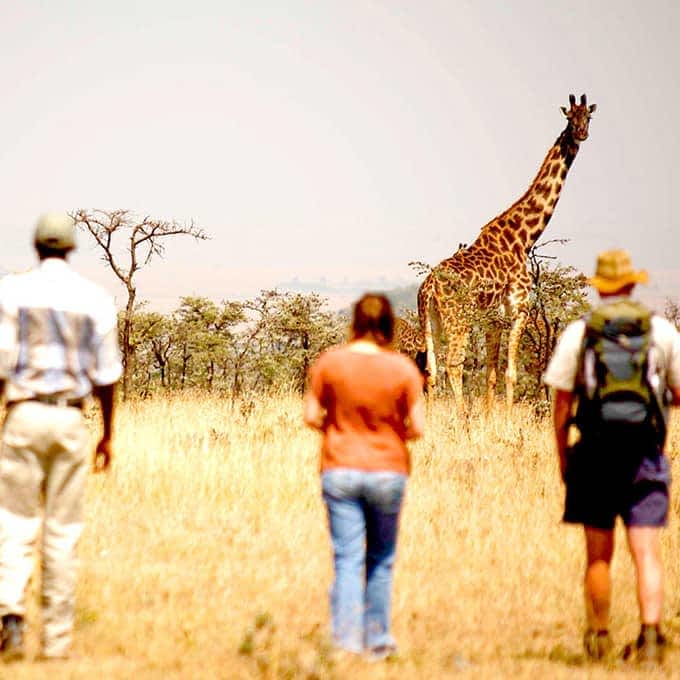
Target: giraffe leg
427, 343
455, 358
430, 363
514, 337
493, 344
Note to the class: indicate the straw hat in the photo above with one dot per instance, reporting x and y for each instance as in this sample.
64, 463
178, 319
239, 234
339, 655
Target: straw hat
615, 271
56, 230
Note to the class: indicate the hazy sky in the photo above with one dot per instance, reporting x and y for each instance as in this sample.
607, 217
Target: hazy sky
337, 139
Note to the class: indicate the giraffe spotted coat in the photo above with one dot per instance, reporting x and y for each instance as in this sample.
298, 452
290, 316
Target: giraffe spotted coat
491, 274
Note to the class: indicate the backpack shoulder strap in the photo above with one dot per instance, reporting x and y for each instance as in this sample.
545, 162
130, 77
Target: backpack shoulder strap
589, 333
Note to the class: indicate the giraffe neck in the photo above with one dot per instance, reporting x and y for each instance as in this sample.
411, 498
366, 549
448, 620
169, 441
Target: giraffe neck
518, 228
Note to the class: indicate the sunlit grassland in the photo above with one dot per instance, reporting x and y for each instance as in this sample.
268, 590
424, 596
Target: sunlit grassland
206, 553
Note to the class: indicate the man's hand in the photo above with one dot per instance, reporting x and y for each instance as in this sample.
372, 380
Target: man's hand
103, 453
102, 456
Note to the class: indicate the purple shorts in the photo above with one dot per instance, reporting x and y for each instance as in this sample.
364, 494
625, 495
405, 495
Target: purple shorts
629, 479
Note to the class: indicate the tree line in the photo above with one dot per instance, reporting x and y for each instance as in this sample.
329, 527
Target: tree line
269, 341
255, 345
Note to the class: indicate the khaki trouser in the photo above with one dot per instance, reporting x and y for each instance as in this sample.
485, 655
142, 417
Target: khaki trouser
43, 468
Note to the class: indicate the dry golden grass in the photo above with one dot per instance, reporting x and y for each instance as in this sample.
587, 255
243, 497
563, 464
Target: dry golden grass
206, 553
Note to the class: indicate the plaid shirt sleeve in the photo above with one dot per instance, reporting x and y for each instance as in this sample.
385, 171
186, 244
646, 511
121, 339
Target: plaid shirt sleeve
107, 361
8, 334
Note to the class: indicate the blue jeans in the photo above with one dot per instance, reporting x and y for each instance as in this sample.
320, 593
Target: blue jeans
363, 516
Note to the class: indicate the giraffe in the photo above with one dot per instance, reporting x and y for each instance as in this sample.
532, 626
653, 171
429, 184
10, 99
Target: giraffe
409, 340
492, 273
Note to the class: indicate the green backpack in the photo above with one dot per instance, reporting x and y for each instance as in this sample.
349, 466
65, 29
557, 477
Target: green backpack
617, 383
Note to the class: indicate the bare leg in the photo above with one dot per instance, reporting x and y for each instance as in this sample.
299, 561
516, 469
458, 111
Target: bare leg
645, 548
597, 581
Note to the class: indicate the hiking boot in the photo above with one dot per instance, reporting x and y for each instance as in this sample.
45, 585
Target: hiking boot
650, 646
12, 638
597, 644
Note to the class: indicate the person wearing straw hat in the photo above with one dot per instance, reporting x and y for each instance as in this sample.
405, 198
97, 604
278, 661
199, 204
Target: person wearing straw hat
58, 344
611, 454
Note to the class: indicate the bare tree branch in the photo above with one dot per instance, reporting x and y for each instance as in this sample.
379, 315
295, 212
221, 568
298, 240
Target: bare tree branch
144, 240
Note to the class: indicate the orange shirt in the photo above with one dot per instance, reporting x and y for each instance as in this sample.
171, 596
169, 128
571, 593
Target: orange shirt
367, 398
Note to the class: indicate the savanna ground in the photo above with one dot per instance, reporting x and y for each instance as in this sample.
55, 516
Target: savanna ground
206, 553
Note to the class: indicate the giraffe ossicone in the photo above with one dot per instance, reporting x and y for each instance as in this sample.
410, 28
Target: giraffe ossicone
491, 274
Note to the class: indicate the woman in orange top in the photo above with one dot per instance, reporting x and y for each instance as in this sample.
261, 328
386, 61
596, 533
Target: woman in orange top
366, 400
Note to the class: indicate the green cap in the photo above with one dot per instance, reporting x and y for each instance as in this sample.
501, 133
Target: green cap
55, 230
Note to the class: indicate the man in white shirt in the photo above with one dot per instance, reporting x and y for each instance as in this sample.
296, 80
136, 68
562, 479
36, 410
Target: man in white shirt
616, 469
58, 345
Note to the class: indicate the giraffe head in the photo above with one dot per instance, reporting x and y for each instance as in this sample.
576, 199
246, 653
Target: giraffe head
578, 116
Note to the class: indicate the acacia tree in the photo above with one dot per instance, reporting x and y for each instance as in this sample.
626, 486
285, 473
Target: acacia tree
283, 334
152, 341
298, 329
144, 239
205, 332
559, 296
